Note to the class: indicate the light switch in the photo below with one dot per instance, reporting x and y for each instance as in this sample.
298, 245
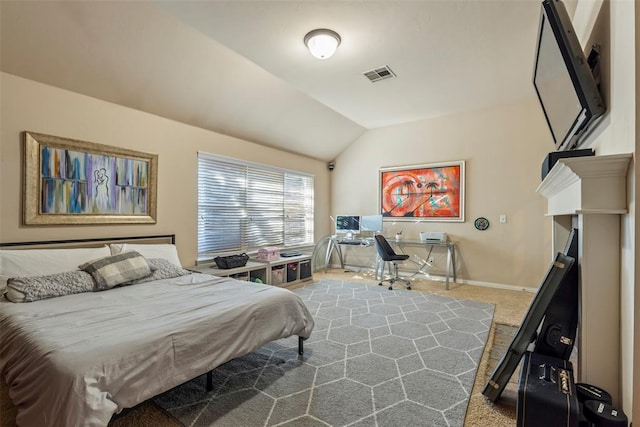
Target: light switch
503, 219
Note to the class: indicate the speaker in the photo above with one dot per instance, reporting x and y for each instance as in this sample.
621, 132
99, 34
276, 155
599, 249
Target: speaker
331, 166
554, 156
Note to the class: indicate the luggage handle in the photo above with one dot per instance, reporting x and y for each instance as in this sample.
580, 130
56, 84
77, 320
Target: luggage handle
548, 373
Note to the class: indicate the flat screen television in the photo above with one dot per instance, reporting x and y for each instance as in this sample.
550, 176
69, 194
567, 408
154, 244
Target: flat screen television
371, 223
563, 80
348, 224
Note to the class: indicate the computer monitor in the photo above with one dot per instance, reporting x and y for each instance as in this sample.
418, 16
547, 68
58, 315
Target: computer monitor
371, 223
348, 224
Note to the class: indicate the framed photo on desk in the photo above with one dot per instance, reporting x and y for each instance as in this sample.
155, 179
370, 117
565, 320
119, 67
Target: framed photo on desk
429, 192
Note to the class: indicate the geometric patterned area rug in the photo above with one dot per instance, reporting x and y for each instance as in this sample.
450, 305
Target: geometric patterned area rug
375, 358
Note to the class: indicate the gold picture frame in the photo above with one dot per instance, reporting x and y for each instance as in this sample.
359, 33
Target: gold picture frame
67, 181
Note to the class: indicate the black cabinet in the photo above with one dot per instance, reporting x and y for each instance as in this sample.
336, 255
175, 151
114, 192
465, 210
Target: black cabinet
305, 269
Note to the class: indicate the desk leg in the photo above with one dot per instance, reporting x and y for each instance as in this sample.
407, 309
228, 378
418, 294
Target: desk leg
327, 255
448, 268
379, 272
331, 246
339, 250
453, 262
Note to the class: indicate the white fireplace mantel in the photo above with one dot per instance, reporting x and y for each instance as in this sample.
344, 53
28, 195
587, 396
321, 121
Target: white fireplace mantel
590, 194
594, 184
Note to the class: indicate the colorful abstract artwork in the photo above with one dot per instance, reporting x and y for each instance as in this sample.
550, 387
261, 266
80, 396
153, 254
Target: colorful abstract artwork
82, 182
432, 192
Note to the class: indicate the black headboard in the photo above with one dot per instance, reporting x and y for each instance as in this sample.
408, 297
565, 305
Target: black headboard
167, 238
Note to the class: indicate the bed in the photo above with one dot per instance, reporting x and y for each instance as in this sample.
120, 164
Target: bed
78, 359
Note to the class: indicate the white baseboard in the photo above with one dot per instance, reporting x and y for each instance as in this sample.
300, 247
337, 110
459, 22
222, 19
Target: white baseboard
443, 279
497, 286
479, 283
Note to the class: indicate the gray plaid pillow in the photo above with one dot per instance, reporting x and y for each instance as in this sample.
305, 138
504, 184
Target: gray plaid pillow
163, 270
119, 269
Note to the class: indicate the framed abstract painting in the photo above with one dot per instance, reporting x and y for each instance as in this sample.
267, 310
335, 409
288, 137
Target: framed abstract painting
429, 192
67, 181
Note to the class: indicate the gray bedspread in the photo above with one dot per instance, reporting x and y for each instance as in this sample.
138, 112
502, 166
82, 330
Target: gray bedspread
78, 359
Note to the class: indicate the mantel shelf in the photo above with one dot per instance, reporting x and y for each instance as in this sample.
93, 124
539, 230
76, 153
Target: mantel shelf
594, 185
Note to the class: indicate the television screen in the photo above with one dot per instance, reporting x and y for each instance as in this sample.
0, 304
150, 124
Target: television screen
371, 223
348, 224
562, 78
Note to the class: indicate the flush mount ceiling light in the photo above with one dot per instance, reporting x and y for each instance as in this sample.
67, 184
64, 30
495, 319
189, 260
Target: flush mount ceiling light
322, 42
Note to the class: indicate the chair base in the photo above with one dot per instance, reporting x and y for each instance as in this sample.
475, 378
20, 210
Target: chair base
395, 278
407, 284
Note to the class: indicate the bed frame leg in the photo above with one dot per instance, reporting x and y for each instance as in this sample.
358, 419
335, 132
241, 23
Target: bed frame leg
210, 381
300, 345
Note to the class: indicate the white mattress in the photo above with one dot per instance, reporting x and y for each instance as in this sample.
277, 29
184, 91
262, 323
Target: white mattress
78, 359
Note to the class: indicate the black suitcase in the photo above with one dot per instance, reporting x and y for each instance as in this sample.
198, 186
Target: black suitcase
546, 393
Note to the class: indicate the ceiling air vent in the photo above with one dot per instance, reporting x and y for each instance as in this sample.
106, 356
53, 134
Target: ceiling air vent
379, 74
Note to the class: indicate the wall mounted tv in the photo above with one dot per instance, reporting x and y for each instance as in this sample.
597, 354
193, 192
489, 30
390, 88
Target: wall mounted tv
563, 79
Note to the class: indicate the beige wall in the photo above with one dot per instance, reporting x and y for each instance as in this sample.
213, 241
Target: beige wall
503, 149
27, 105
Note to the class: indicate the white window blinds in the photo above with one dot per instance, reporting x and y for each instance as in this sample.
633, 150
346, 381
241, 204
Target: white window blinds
243, 206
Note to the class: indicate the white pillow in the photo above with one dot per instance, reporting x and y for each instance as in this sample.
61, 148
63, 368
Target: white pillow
165, 251
42, 262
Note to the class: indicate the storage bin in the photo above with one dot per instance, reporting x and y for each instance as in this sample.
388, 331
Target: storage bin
305, 269
292, 272
277, 275
231, 261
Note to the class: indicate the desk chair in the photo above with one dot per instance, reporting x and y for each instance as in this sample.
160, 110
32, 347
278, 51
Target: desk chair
387, 254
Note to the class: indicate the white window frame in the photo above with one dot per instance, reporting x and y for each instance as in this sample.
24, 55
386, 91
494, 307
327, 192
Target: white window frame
243, 206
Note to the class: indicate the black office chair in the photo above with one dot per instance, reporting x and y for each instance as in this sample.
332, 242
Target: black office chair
387, 254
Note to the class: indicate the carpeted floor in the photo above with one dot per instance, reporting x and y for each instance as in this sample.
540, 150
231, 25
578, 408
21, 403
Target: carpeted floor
510, 307
502, 336
376, 358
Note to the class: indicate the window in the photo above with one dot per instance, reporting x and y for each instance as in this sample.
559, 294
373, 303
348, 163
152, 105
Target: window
243, 206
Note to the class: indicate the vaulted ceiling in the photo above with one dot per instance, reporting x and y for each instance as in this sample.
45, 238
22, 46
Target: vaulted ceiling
240, 67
